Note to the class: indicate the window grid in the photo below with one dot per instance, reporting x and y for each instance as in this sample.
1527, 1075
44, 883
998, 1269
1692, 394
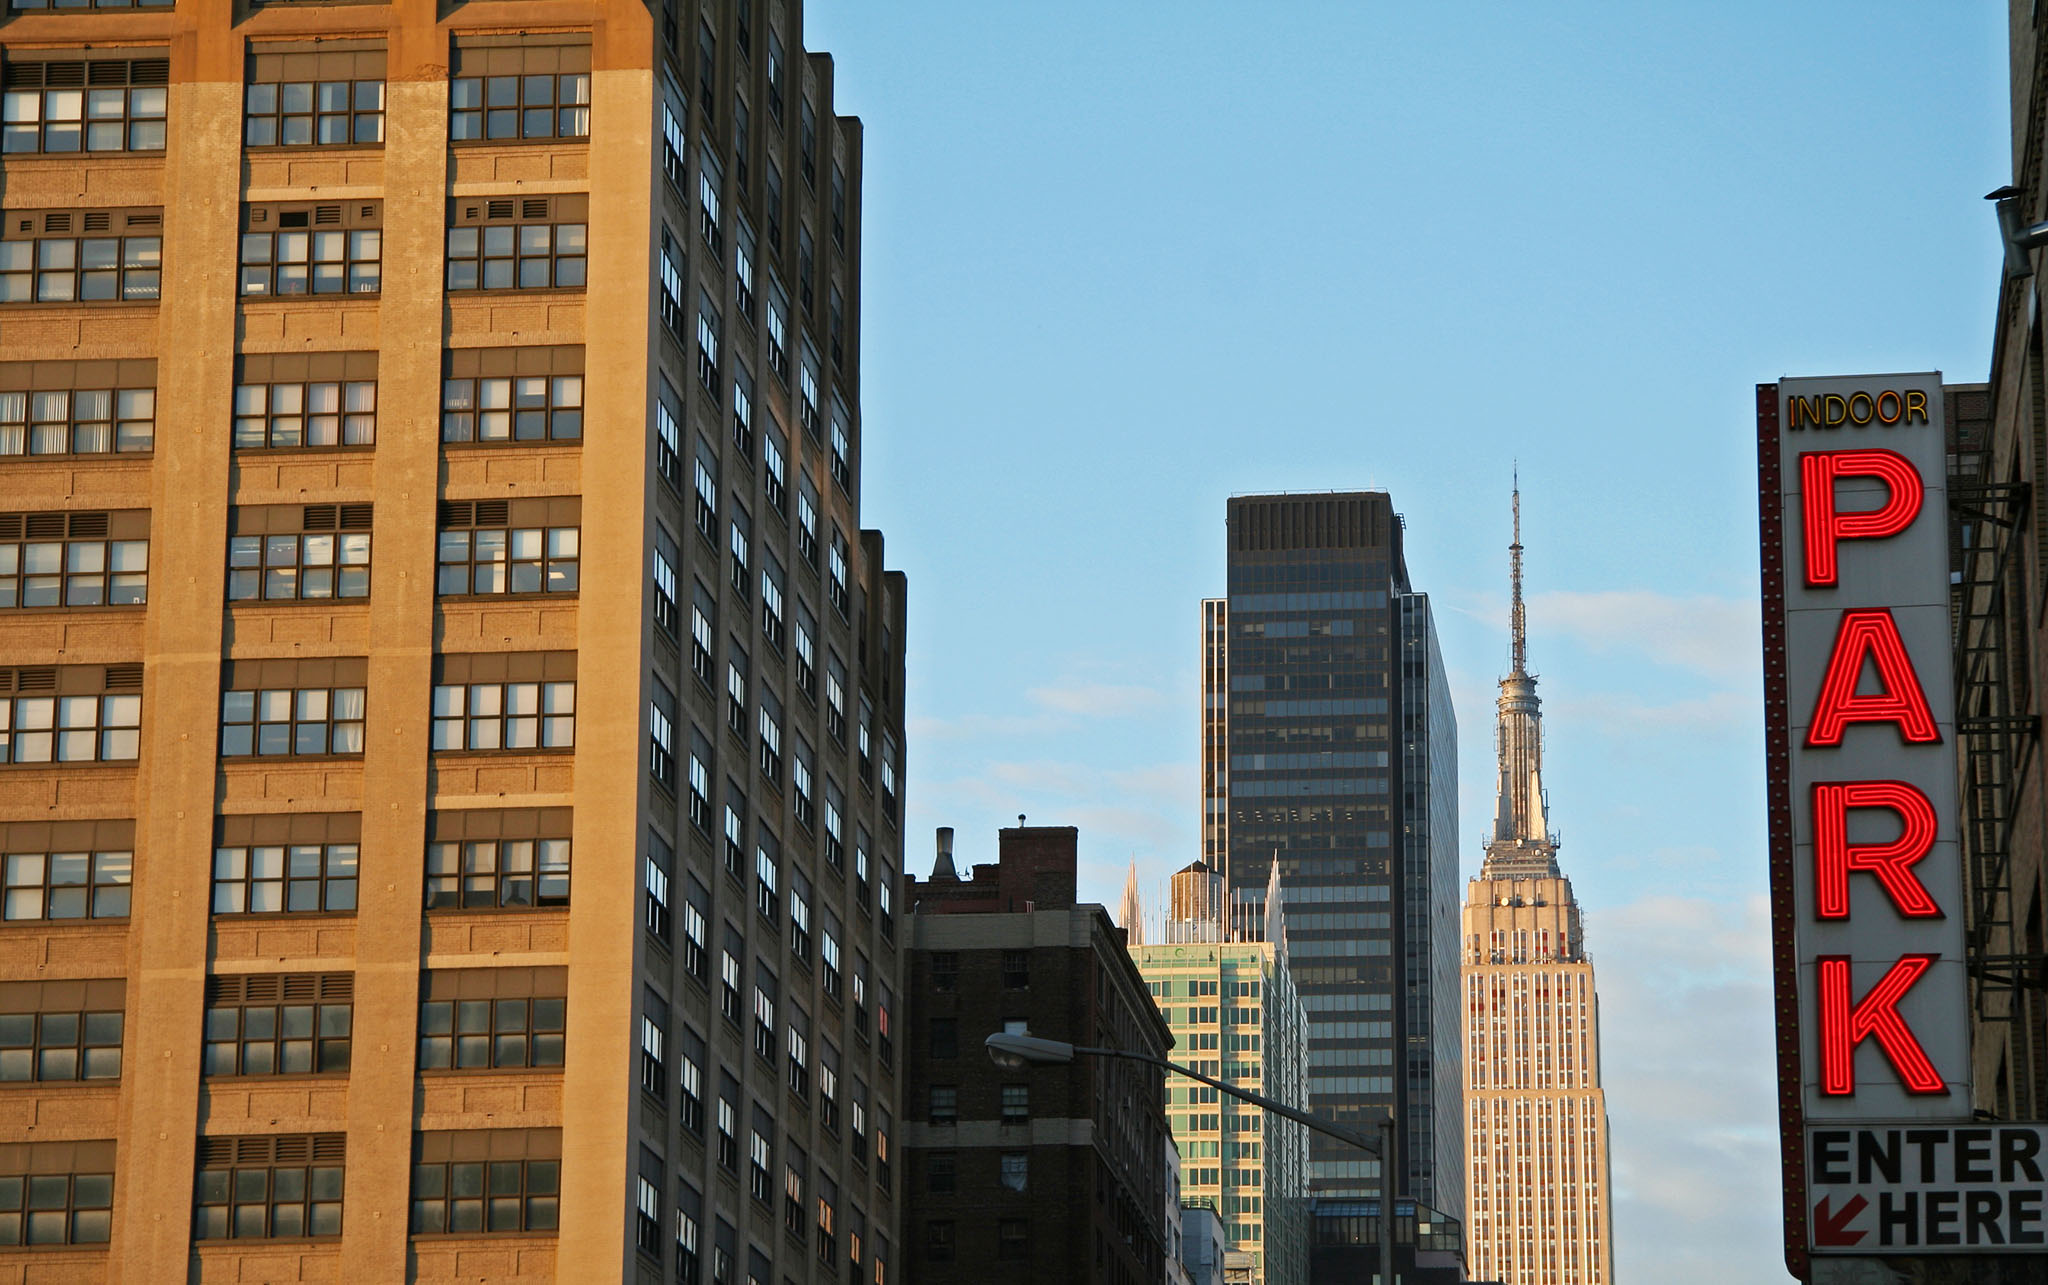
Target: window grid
523, 408
82, 421
292, 721
295, 1194
56, 1208
109, 269
509, 560
66, 885
69, 573
59, 1046
510, 716
299, 878
105, 105
292, 416
303, 566
544, 105
266, 1024
70, 729
308, 261
518, 256
484, 1034
325, 113
470, 1196
498, 874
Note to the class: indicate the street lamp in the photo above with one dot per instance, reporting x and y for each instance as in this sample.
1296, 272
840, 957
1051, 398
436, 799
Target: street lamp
1015, 1051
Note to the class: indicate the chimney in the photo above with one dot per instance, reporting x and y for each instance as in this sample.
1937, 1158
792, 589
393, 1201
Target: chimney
943, 869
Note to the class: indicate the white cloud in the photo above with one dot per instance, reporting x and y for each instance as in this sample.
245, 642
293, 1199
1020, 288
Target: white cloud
1687, 1057
1100, 700
1718, 637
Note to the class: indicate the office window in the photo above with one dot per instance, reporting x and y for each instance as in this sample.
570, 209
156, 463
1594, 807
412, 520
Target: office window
700, 781
124, 266
860, 868
655, 869
510, 546
258, 1187
764, 876
1016, 1104
690, 1063
888, 776
707, 343
775, 76
771, 737
96, 105
492, 1018
842, 449
773, 617
744, 254
504, 108
501, 409
729, 985
860, 996
706, 477
760, 1160
287, 552
775, 483
863, 744
647, 1221
943, 1032
807, 392
66, 885
310, 113
689, 1234
742, 121
1016, 969
835, 696
885, 900
707, 69
1013, 1238
666, 558
494, 710
44, 1208
738, 545
799, 915
835, 826
275, 878
668, 440
76, 723
498, 874
74, 559
728, 1126
735, 830
828, 954
807, 142
284, 721
302, 248
661, 736
806, 652
306, 414
472, 1181
799, 1056
885, 1044
518, 243
941, 1173
654, 1046
835, 584
670, 266
883, 1159
695, 946
945, 974
278, 1023
945, 1104
743, 409
795, 1209
1015, 1174
674, 142
529, 90
800, 784
778, 310
55, 1031
76, 421
708, 183
828, 1089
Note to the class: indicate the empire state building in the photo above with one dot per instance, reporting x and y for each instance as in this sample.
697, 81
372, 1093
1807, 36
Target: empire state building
1539, 1199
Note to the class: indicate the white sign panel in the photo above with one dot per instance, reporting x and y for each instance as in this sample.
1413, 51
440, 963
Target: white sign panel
1914, 1188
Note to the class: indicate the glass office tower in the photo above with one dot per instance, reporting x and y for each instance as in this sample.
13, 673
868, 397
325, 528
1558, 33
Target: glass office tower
1329, 744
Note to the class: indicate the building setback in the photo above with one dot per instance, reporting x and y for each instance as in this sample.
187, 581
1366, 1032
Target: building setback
1540, 1198
449, 805
1328, 740
1036, 1173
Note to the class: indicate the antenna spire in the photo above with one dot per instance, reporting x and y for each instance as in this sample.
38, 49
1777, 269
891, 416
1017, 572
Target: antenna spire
1517, 621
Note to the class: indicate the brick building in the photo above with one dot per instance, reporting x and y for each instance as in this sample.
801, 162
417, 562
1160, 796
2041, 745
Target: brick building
450, 732
1045, 1172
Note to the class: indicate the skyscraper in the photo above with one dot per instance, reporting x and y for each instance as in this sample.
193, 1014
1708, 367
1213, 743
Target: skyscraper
1226, 990
1539, 1206
450, 724
1328, 742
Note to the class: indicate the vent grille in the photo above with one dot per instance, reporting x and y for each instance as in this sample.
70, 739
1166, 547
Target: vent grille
56, 223
124, 678
53, 526
35, 678
71, 73
280, 988
336, 517
285, 1149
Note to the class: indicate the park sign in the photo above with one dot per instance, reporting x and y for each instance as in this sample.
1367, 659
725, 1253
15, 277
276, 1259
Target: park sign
1866, 874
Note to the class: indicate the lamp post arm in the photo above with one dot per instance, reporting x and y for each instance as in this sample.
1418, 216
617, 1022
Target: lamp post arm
1363, 1141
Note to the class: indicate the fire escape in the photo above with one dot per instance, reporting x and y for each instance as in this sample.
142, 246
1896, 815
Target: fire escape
1997, 732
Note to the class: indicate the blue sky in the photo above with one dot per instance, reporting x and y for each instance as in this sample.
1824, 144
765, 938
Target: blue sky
1124, 260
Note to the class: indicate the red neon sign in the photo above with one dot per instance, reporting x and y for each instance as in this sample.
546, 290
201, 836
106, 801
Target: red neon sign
1834, 856
1824, 527
1871, 634
1845, 1024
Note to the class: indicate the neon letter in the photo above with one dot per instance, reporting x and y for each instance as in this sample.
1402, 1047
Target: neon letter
1834, 857
1871, 633
1817, 473
1845, 1024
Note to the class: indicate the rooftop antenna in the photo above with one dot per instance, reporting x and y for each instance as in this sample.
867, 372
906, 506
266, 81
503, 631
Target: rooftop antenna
1517, 621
